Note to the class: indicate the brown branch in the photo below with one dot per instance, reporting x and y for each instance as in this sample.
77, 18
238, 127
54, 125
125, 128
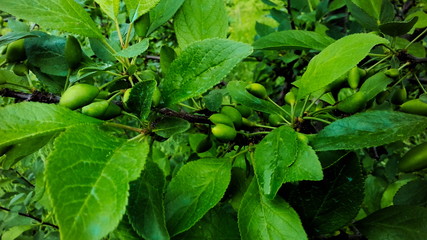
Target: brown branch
36, 96
32, 217
187, 116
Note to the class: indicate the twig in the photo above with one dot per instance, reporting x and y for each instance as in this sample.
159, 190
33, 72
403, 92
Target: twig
32, 217
189, 117
36, 96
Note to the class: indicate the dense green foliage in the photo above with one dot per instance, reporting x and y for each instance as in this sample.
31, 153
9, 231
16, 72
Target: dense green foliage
213, 119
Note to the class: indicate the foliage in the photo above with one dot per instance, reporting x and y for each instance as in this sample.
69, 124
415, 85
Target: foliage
190, 119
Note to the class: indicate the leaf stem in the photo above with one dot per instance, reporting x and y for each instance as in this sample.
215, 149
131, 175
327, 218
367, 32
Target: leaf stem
418, 80
278, 107
125, 127
317, 119
377, 63
415, 39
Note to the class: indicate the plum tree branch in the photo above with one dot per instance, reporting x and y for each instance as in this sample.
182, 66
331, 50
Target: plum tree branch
32, 217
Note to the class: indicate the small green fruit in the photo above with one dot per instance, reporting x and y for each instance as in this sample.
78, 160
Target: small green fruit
415, 159
72, 52
16, 51
392, 72
399, 96
275, 120
125, 98
112, 111
234, 114
78, 95
257, 90
103, 95
353, 103
96, 109
219, 118
156, 96
248, 123
345, 93
20, 69
354, 77
290, 98
414, 106
224, 132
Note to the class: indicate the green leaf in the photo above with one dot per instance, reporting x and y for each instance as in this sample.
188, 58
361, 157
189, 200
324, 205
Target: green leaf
17, 151
336, 60
387, 11
64, 15
167, 55
372, 7
110, 7
201, 66
24, 121
134, 50
261, 218
146, 206
398, 28
90, 197
137, 8
197, 187
200, 19
368, 129
124, 231
237, 90
13, 36
140, 98
163, 12
326, 206
281, 157
217, 224
367, 21
47, 53
101, 50
375, 85
395, 223
413, 193
293, 39
169, 126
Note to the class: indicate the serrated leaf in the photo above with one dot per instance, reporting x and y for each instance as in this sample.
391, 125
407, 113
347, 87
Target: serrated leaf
201, 66
398, 28
146, 205
137, 8
365, 19
23, 121
170, 126
261, 218
197, 187
414, 193
163, 12
218, 224
134, 50
13, 36
326, 206
140, 98
368, 129
372, 7
90, 197
110, 7
199, 19
124, 231
167, 55
293, 39
281, 157
336, 60
47, 53
395, 223
237, 91
64, 15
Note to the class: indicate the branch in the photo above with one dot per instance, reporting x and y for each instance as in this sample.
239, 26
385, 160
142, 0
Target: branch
189, 117
36, 96
32, 217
